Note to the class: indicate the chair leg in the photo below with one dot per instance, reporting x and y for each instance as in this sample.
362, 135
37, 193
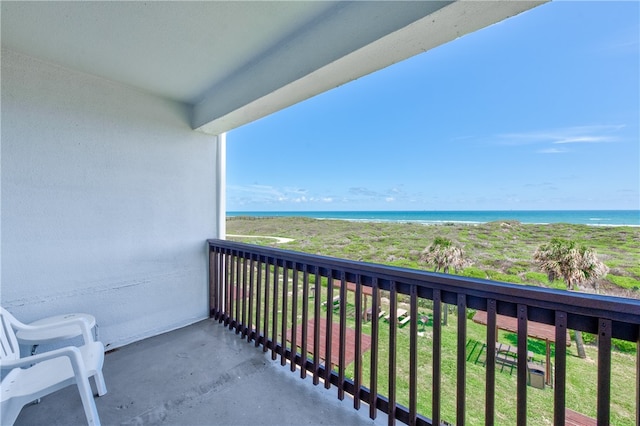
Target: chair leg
101, 387
89, 405
9, 411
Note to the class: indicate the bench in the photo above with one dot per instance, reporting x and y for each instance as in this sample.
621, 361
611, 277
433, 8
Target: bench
334, 302
400, 313
511, 351
404, 320
368, 314
505, 359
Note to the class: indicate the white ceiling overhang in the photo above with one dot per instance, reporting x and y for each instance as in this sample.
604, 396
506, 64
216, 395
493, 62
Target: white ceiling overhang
235, 62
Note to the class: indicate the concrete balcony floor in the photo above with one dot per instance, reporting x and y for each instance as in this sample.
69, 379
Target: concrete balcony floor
202, 374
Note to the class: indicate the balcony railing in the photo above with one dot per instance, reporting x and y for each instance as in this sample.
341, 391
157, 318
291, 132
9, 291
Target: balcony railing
324, 316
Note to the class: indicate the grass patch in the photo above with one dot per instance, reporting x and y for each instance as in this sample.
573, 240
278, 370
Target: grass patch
474, 273
624, 282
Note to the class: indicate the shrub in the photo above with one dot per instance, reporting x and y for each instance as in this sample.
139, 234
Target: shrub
624, 346
617, 344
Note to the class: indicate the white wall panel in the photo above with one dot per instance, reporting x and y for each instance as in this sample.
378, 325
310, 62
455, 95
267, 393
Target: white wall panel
108, 197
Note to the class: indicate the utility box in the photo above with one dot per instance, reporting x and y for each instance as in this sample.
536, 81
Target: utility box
536, 373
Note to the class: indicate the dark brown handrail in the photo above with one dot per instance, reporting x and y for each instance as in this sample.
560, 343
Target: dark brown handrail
250, 292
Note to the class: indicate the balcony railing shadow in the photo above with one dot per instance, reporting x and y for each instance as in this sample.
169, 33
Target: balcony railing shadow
324, 317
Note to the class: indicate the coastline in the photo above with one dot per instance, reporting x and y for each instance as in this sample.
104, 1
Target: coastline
607, 218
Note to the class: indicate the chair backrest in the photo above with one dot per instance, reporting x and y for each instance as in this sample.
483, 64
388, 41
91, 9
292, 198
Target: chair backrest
9, 348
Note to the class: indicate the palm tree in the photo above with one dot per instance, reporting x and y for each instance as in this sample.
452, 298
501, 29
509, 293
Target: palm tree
574, 265
444, 255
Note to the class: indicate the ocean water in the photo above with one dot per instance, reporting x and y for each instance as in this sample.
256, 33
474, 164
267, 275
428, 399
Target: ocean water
583, 217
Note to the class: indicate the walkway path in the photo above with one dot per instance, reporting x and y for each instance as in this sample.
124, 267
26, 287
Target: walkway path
279, 240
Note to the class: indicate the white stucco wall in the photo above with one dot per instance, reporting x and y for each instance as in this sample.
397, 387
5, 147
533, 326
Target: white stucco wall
108, 197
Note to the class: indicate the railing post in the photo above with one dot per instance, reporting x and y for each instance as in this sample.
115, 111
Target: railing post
265, 328
245, 296
249, 328
437, 351
358, 345
316, 327
413, 356
284, 310
294, 320
522, 365
393, 321
258, 300
227, 288
559, 387
329, 332
212, 280
604, 371
238, 289
638, 378
462, 359
305, 319
342, 338
274, 310
490, 362
373, 396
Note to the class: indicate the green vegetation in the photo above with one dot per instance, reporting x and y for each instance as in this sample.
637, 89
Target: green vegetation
501, 251
575, 265
444, 255
624, 282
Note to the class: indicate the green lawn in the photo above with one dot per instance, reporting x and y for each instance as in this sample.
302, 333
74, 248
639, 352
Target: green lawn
581, 373
581, 377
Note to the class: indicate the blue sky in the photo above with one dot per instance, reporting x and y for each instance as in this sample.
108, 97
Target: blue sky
538, 112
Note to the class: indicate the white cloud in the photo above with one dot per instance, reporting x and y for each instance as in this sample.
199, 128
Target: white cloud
253, 189
366, 192
578, 134
245, 195
585, 139
294, 190
551, 151
275, 197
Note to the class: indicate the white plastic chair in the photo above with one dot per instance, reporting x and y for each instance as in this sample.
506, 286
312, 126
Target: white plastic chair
33, 377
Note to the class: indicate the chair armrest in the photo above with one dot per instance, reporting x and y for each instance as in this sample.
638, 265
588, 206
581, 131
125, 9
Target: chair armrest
71, 352
80, 322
